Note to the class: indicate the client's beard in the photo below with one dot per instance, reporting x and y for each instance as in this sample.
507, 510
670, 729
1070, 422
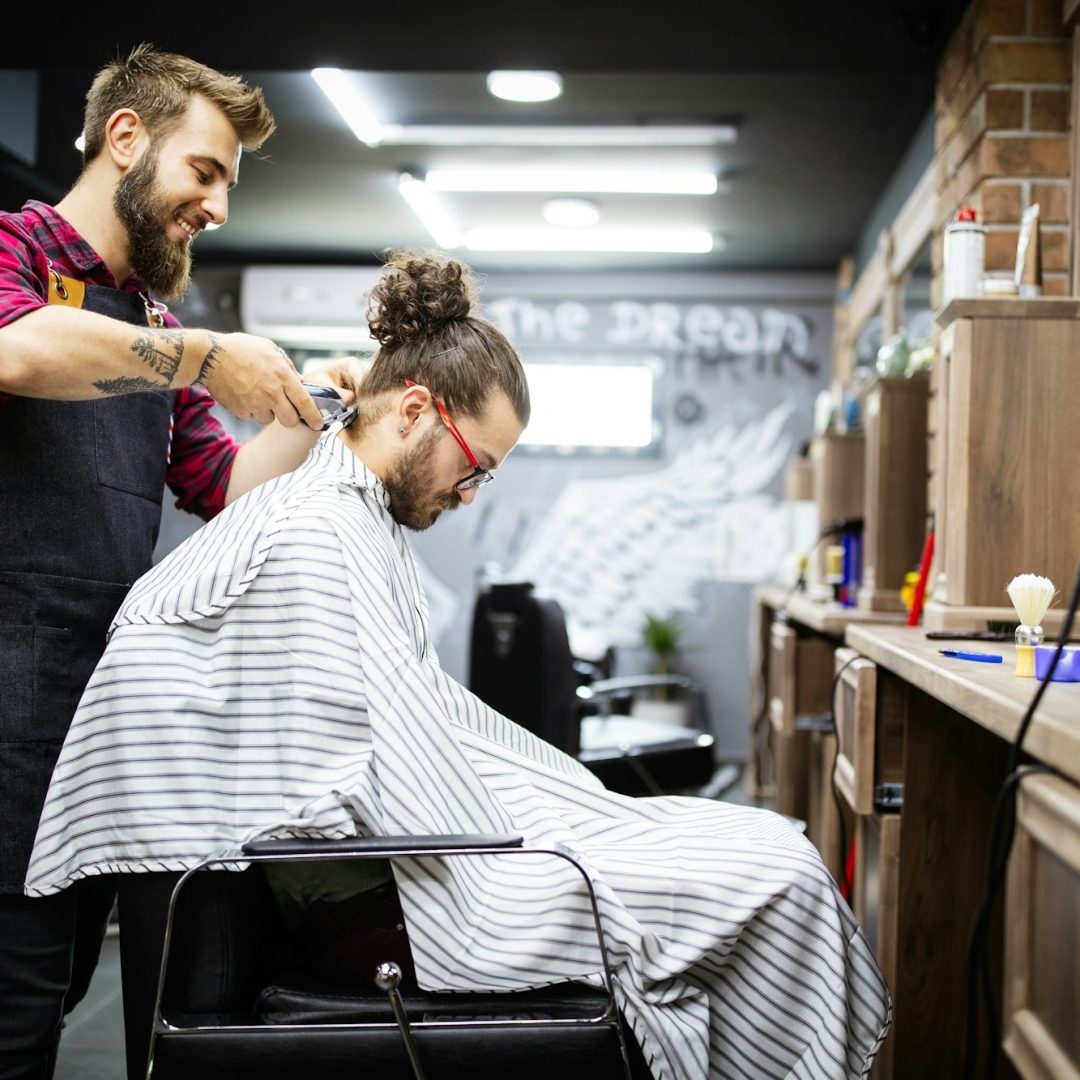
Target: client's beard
165, 266
409, 482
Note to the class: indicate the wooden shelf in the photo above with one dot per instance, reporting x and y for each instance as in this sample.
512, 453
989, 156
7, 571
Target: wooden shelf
986, 307
825, 617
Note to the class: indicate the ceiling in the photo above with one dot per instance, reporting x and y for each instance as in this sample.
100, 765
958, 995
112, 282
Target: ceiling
825, 94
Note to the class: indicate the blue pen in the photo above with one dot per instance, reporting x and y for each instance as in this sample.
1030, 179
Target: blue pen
982, 657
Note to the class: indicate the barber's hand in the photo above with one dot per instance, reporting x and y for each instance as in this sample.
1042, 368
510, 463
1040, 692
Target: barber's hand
344, 374
255, 379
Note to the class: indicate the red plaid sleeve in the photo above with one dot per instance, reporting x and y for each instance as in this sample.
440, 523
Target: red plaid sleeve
23, 272
202, 455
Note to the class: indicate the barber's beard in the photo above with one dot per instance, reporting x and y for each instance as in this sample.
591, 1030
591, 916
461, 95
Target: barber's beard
410, 481
143, 209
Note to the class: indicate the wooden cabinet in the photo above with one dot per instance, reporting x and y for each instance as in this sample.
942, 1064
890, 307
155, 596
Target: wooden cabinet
895, 503
838, 463
1006, 490
876, 903
830, 822
799, 677
1042, 939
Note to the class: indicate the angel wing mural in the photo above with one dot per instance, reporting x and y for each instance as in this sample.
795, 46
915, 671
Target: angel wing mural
611, 550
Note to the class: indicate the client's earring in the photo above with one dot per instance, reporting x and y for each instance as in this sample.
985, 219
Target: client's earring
401, 431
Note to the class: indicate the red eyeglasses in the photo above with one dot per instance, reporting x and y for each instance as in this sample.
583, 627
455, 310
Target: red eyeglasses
479, 475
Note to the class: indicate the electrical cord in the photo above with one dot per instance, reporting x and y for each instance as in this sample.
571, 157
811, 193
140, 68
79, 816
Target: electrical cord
999, 843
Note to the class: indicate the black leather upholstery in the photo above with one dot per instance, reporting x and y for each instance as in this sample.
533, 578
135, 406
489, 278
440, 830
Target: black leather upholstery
520, 663
229, 964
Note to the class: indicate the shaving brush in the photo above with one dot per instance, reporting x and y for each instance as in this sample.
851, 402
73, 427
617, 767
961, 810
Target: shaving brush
1030, 596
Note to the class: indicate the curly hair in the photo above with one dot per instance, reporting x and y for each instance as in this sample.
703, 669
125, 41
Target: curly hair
159, 86
421, 311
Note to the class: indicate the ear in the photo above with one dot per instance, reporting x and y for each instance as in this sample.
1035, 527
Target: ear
412, 405
126, 138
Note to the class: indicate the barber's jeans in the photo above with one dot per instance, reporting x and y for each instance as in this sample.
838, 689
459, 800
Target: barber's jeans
49, 947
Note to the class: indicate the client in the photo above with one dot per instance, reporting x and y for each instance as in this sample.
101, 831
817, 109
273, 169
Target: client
274, 676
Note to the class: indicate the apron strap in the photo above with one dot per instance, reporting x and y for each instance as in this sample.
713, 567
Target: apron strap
71, 292
65, 290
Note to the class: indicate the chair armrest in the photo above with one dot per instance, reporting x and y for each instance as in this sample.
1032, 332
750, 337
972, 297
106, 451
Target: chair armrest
603, 687
374, 845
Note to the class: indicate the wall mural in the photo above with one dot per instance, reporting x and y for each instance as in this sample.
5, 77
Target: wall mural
612, 550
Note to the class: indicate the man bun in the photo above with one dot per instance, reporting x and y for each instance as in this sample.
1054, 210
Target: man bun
418, 295
424, 313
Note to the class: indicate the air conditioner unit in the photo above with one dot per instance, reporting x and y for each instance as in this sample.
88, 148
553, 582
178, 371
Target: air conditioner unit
309, 307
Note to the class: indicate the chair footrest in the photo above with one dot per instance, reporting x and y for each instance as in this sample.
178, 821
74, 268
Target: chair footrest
302, 999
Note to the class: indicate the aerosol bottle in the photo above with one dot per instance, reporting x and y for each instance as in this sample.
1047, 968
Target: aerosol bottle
965, 247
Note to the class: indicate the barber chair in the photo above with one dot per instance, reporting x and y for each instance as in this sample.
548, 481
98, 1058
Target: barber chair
521, 665
229, 1003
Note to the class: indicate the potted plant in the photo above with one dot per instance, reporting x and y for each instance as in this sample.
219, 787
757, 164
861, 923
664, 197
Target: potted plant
663, 637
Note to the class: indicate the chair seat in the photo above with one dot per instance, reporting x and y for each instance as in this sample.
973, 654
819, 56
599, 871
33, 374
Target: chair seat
298, 1020
299, 998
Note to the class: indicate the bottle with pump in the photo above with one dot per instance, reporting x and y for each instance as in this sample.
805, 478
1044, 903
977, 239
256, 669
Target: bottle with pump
964, 255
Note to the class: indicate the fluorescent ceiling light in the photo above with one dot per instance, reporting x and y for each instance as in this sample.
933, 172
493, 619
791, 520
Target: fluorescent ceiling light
571, 213
525, 85
588, 135
575, 180
344, 96
694, 241
368, 128
429, 210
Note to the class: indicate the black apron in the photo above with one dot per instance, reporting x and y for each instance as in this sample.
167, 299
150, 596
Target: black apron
80, 506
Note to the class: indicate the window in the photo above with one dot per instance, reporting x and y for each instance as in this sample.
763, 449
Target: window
593, 407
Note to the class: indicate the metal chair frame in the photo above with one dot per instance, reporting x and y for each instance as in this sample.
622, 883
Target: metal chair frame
311, 850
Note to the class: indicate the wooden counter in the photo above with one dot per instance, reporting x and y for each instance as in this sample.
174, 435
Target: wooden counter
989, 694
952, 722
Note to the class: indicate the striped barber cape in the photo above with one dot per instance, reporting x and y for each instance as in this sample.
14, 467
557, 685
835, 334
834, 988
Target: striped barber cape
273, 676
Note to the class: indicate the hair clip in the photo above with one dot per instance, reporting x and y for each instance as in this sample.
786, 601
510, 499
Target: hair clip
453, 348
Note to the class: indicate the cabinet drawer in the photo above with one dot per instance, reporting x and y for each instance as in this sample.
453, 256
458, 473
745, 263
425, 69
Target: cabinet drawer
799, 676
1042, 938
856, 716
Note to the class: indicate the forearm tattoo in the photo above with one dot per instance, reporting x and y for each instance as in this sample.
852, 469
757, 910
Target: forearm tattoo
208, 360
161, 350
128, 385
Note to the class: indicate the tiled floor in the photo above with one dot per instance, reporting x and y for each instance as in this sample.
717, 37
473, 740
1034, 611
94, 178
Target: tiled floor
92, 1047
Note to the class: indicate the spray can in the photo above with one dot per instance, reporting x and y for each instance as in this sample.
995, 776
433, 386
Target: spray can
964, 255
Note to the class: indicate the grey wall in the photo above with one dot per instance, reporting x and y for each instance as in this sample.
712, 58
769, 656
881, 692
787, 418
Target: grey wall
690, 530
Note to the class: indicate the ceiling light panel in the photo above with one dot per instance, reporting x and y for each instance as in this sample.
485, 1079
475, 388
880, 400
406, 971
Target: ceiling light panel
571, 213
524, 85
537, 238
350, 103
567, 135
574, 181
429, 210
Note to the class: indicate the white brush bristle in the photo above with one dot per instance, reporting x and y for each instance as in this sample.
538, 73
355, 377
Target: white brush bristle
1030, 595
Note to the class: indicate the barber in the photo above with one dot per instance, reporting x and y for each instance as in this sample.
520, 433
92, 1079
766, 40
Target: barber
104, 400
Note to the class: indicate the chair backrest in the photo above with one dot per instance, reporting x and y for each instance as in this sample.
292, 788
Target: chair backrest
521, 665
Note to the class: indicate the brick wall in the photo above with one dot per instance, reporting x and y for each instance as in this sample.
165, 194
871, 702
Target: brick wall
1001, 134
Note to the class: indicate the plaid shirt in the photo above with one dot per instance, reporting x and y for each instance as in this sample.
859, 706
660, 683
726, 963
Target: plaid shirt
202, 451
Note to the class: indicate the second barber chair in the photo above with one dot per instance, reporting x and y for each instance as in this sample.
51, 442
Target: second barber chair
520, 664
